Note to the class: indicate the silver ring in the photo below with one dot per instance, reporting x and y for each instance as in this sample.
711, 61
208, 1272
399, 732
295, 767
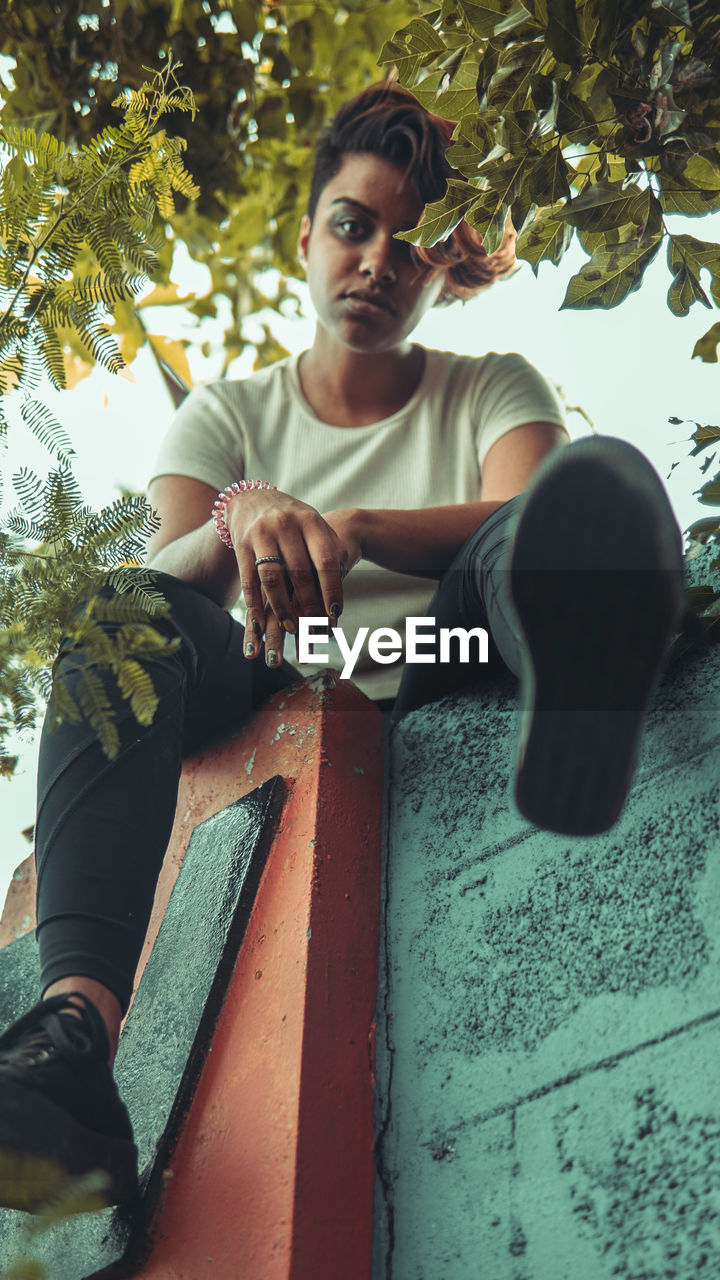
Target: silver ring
269, 560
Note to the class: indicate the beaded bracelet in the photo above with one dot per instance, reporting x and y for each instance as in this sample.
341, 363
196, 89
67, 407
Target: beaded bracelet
220, 503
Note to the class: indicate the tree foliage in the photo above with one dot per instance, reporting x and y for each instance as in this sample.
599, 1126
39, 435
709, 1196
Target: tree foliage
79, 232
265, 77
90, 208
595, 119
587, 118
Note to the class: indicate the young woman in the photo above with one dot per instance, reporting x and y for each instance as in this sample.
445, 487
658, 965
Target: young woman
383, 469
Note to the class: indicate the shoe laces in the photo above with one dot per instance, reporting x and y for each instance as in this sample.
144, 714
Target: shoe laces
45, 1032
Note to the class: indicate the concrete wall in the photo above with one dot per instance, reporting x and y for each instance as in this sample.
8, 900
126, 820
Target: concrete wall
246, 1061
549, 1030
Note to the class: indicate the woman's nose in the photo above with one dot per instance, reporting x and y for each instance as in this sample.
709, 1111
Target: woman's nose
377, 262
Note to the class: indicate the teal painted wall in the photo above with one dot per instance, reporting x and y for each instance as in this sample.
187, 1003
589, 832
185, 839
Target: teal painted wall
549, 1021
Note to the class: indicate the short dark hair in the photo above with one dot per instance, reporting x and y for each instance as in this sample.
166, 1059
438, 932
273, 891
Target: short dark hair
388, 121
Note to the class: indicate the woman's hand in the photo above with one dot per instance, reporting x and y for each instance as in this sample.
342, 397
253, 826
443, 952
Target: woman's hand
307, 579
345, 522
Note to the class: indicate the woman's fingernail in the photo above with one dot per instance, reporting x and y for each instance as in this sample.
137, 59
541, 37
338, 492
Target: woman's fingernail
289, 626
256, 627
335, 609
249, 647
272, 658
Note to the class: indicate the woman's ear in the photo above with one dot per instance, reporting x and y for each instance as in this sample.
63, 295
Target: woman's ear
303, 240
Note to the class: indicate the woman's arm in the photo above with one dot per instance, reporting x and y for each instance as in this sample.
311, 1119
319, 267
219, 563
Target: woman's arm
421, 542
261, 523
424, 542
186, 545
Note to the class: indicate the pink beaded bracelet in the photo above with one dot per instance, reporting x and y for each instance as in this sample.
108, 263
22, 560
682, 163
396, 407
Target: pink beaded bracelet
218, 511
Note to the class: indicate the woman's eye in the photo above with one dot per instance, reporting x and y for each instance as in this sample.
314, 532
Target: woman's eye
350, 227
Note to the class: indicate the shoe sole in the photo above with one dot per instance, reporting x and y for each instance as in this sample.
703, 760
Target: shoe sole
46, 1156
598, 616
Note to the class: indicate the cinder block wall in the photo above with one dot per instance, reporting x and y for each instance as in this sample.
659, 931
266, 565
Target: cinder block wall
549, 1015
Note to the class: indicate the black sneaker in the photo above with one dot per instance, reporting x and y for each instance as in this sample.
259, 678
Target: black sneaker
61, 1117
596, 580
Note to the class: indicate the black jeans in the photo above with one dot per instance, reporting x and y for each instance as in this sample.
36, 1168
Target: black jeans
103, 825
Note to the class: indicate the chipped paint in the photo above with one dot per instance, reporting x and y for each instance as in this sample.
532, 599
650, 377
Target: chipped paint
549, 1034
279, 732
282, 1118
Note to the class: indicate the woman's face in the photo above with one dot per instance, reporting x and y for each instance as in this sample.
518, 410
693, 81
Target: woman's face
367, 292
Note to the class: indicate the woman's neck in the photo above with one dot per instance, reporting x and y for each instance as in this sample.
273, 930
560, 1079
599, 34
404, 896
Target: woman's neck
354, 389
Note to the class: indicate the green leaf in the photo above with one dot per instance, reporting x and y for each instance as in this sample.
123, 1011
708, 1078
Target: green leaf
670, 12
706, 347
709, 494
593, 240
544, 239
604, 205
575, 120
442, 216
563, 34
702, 530
46, 428
452, 95
696, 254
510, 86
489, 220
704, 438
684, 290
136, 685
610, 275
482, 16
410, 49
695, 190
517, 128
590, 85
686, 257
420, 37
605, 35
506, 177
519, 22
547, 179
472, 141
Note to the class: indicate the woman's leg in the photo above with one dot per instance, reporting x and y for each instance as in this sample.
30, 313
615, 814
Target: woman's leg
102, 829
580, 583
474, 592
103, 824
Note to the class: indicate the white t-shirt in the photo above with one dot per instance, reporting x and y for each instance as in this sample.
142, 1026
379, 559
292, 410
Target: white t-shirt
428, 454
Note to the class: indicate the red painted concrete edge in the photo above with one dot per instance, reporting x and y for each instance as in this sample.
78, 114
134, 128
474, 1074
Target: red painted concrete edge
336, 1167
273, 1174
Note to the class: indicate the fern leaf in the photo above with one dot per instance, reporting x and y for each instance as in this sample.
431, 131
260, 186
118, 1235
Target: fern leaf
62, 706
47, 429
102, 289
28, 487
51, 350
11, 371
50, 150
95, 705
137, 686
31, 530
22, 141
61, 498
141, 590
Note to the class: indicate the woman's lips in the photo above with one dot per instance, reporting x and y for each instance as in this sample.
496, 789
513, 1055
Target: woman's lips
366, 305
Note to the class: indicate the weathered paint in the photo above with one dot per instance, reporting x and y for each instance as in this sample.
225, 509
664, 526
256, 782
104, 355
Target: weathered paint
168, 1031
272, 1177
18, 915
548, 1042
